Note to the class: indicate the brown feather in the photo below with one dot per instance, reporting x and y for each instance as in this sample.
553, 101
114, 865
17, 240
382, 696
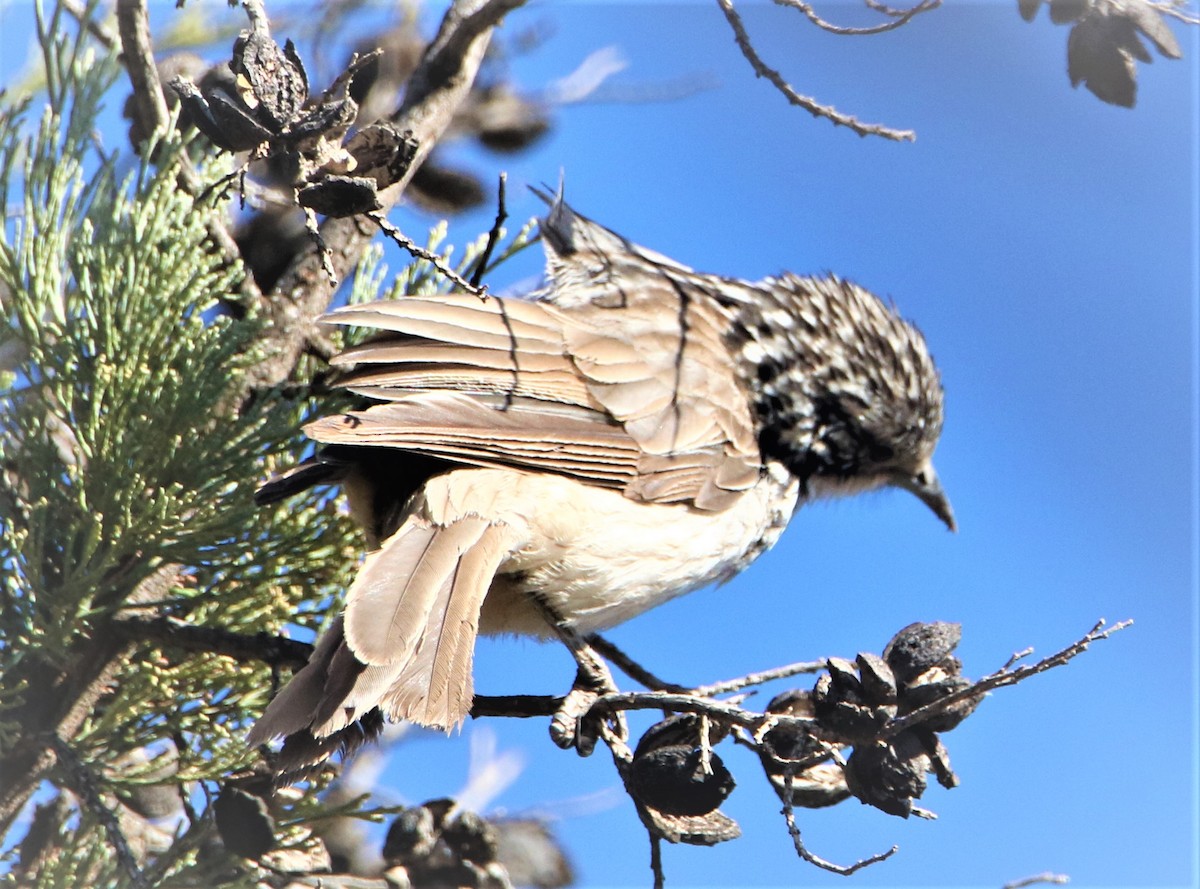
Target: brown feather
595, 392
294, 707
451, 688
388, 606
457, 427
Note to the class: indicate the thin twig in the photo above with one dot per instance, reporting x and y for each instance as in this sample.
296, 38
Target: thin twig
77, 11
84, 783
898, 18
632, 668
493, 235
1017, 656
818, 861
656, 865
809, 104
1002, 677
723, 712
421, 253
720, 688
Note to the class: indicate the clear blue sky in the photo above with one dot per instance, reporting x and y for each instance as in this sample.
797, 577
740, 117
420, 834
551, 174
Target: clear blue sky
1047, 245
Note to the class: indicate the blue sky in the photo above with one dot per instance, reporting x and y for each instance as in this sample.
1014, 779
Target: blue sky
1047, 245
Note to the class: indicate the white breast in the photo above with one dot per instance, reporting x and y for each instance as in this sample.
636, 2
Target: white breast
595, 556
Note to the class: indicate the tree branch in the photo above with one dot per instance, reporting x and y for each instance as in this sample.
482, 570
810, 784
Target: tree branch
1004, 676
59, 699
437, 87
170, 632
809, 104
84, 783
133, 23
814, 859
899, 18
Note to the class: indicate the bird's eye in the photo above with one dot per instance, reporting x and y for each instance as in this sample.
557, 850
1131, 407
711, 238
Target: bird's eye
921, 478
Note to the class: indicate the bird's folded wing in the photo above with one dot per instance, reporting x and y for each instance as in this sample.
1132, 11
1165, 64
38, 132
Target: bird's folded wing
666, 377
635, 399
465, 430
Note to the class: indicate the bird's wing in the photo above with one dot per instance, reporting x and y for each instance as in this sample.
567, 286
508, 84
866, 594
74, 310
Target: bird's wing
650, 337
593, 394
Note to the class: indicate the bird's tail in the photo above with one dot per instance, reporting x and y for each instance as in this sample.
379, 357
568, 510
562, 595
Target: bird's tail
406, 641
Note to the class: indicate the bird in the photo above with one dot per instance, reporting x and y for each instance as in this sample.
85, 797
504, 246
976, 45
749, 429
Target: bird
631, 431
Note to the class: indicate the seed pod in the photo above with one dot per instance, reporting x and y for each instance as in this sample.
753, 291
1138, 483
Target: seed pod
673, 780
928, 692
471, 838
878, 681
243, 823
411, 837
920, 646
889, 775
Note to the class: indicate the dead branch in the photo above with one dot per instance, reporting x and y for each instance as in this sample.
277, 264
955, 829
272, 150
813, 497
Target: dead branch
435, 90
789, 817
898, 18
1007, 676
809, 104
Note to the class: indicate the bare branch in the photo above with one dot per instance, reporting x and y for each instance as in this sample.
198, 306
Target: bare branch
77, 11
436, 89
175, 634
656, 866
433, 259
493, 234
1004, 676
899, 18
84, 783
719, 688
630, 667
818, 861
137, 52
133, 22
815, 108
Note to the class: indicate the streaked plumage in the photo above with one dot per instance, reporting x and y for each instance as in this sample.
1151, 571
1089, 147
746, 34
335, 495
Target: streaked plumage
634, 431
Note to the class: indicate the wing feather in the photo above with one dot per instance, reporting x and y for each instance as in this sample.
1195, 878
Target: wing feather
631, 393
456, 427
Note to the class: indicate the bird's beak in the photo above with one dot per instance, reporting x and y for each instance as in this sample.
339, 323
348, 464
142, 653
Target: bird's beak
924, 483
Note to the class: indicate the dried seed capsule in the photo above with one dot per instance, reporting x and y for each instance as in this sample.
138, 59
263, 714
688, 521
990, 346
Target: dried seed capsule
889, 775
672, 780
243, 823
920, 646
878, 681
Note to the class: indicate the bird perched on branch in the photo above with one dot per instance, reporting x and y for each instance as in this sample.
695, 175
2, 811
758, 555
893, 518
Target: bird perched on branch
634, 431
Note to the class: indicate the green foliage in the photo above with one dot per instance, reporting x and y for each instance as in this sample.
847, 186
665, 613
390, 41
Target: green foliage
129, 450
130, 447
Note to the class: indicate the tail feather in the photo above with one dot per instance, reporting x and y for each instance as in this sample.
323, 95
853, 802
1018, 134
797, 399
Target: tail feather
405, 643
295, 707
443, 664
392, 603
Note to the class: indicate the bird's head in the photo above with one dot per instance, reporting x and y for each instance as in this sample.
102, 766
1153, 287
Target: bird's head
846, 392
